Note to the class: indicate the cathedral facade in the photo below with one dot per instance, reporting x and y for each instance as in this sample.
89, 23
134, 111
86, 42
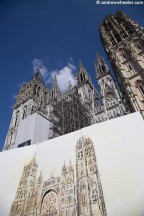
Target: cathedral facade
76, 192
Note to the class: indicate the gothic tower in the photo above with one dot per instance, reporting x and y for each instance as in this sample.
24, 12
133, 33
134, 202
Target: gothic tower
32, 97
123, 40
25, 202
89, 190
85, 88
112, 102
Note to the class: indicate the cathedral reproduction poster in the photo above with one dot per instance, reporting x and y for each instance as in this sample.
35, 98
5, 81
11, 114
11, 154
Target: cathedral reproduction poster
97, 170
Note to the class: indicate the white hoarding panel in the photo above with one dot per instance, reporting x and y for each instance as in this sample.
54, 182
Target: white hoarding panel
34, 128
97, 170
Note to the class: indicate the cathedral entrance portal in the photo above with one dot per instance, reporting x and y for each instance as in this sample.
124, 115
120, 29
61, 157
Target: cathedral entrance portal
50, 204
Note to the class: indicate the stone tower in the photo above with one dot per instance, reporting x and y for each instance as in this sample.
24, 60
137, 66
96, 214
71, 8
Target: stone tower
110, 96
89, 190
85, 88
32, 97
123, 41
84, 83
25, 202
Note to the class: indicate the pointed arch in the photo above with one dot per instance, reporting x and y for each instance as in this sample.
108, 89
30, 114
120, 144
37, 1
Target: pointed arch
49, 204
24, 112
16, 118
140, 86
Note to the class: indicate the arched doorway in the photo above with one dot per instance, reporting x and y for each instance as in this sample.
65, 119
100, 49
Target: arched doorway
49, 205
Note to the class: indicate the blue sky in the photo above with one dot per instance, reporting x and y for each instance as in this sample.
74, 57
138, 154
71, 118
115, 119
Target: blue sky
52, 34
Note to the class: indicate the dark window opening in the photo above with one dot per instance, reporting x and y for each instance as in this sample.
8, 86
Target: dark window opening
103, 67
112, 41
81, 77
129, 66
26, 143
118, 39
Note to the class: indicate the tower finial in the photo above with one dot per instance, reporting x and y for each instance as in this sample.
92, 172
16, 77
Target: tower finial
82, 75
82, 69
101, 67
70, 166
55, 84
81, 65
64, 169
38, 69
98, 57
38, 76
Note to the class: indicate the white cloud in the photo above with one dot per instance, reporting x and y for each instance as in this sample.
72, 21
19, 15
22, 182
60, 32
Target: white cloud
38, 63
64, 75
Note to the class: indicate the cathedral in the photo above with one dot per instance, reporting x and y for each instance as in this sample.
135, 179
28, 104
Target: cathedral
52, 113
76, 192
79, 106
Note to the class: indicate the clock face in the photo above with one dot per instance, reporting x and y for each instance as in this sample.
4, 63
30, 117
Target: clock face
49, 205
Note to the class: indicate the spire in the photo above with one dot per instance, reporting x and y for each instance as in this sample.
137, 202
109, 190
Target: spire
82, 69
55, 91
55, 84
81, 65
70, 166
40, 178
83, 76
33, 161
64, 169
79, 144
101, 67
98, 57
37, 76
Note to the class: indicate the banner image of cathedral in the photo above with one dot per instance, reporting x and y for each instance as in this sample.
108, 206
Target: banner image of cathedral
77, 191
96, 171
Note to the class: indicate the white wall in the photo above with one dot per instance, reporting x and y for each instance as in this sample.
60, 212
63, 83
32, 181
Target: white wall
34, 128
119, 147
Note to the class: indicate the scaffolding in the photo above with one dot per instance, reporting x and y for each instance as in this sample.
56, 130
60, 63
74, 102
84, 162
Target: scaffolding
69, 114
